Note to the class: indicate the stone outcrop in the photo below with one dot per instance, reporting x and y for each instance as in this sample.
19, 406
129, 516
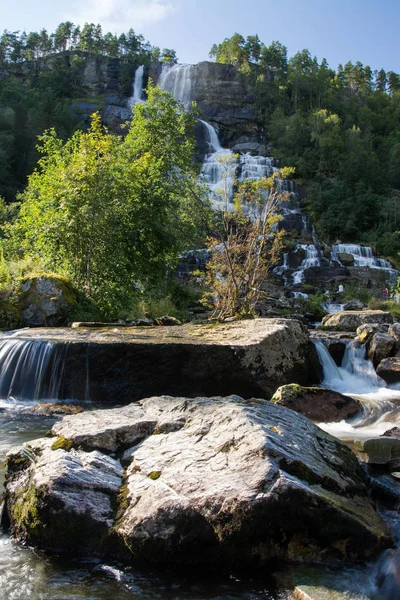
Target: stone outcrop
318, 404
351, 320
46, 300
382, 345
389, 369
206, 480
120, 365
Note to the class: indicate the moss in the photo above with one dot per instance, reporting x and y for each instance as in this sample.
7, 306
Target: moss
62, 443
25, 509
63, 283
154, 475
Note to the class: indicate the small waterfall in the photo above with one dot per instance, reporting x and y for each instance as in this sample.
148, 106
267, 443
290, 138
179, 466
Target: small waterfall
311, 259
332, 308
137, 97
212, 137
357, 378
255, 167
30, 370
363, 256
177, 80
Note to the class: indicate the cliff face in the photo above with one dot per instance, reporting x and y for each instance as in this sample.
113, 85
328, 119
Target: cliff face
224, 98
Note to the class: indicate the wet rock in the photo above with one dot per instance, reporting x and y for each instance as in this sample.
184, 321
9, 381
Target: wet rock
389, 369
46, 300
394, 331
51, 409
215, 479
318, 404
351, 320
381, 346
393, 432
347, 260
379, 451
167, 320
354, 305
336, 349
365, 333
121, 364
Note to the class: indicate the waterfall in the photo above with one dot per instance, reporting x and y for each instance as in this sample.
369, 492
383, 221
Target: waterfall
356, 375
30, 370
137, 87
363, 256
212, 137
311, 259
177, 80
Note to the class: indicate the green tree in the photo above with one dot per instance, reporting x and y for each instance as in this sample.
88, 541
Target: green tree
111, 212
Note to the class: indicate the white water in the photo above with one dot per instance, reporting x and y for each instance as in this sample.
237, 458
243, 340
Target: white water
137, 97
177, 80
363, 256
357, 378
212, 137
30, 370
311, 259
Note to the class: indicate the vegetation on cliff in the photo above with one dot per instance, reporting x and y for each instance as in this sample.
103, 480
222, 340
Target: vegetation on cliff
339, 129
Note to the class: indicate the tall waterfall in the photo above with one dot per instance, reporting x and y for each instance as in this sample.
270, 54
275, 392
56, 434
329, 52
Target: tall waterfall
137, 96
178, 81
212, 137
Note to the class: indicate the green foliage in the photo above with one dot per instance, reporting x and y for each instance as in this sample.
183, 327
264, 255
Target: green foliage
354, 291
392, 307
110, 212
244, 249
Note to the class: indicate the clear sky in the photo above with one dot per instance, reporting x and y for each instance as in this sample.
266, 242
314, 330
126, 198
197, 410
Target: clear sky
339, 30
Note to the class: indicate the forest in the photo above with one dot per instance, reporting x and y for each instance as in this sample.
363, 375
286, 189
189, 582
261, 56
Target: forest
339, 128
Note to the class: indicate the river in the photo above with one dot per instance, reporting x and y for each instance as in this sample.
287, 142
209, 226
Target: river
27, 574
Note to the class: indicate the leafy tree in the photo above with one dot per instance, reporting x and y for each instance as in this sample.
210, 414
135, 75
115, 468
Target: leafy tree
245, 247
111, 212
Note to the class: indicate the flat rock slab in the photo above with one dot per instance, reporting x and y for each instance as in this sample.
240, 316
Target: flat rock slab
120, 365
351, 320
203, 480
389, 369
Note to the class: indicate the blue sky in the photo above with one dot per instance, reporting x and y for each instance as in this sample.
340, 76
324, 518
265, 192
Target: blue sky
339, 30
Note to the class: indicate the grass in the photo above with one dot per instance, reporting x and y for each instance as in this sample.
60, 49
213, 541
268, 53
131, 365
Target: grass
388, 305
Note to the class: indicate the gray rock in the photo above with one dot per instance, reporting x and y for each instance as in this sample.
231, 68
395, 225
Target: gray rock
351, 320
218, 479
121, 364
389, 369
46, 300
318, 404
381, 346
354, 305
394, 331
379, 451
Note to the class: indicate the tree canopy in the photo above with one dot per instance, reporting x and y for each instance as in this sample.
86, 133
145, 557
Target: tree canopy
112, 213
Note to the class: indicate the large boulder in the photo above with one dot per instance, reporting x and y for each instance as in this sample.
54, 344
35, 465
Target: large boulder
381, 346
120, 365
389, 369
318, 404
351, 320
46, 300
206, 480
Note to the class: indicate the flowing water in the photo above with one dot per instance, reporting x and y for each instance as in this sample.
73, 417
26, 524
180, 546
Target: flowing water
137, 91
30, 371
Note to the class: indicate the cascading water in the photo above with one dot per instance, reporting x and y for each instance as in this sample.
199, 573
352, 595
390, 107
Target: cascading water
356, 377
30, 370
177, 80
363, 256
311, 259
214, 144
137, 96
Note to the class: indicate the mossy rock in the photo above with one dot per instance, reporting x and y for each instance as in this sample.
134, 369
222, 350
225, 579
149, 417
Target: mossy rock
46, 299
316, 403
